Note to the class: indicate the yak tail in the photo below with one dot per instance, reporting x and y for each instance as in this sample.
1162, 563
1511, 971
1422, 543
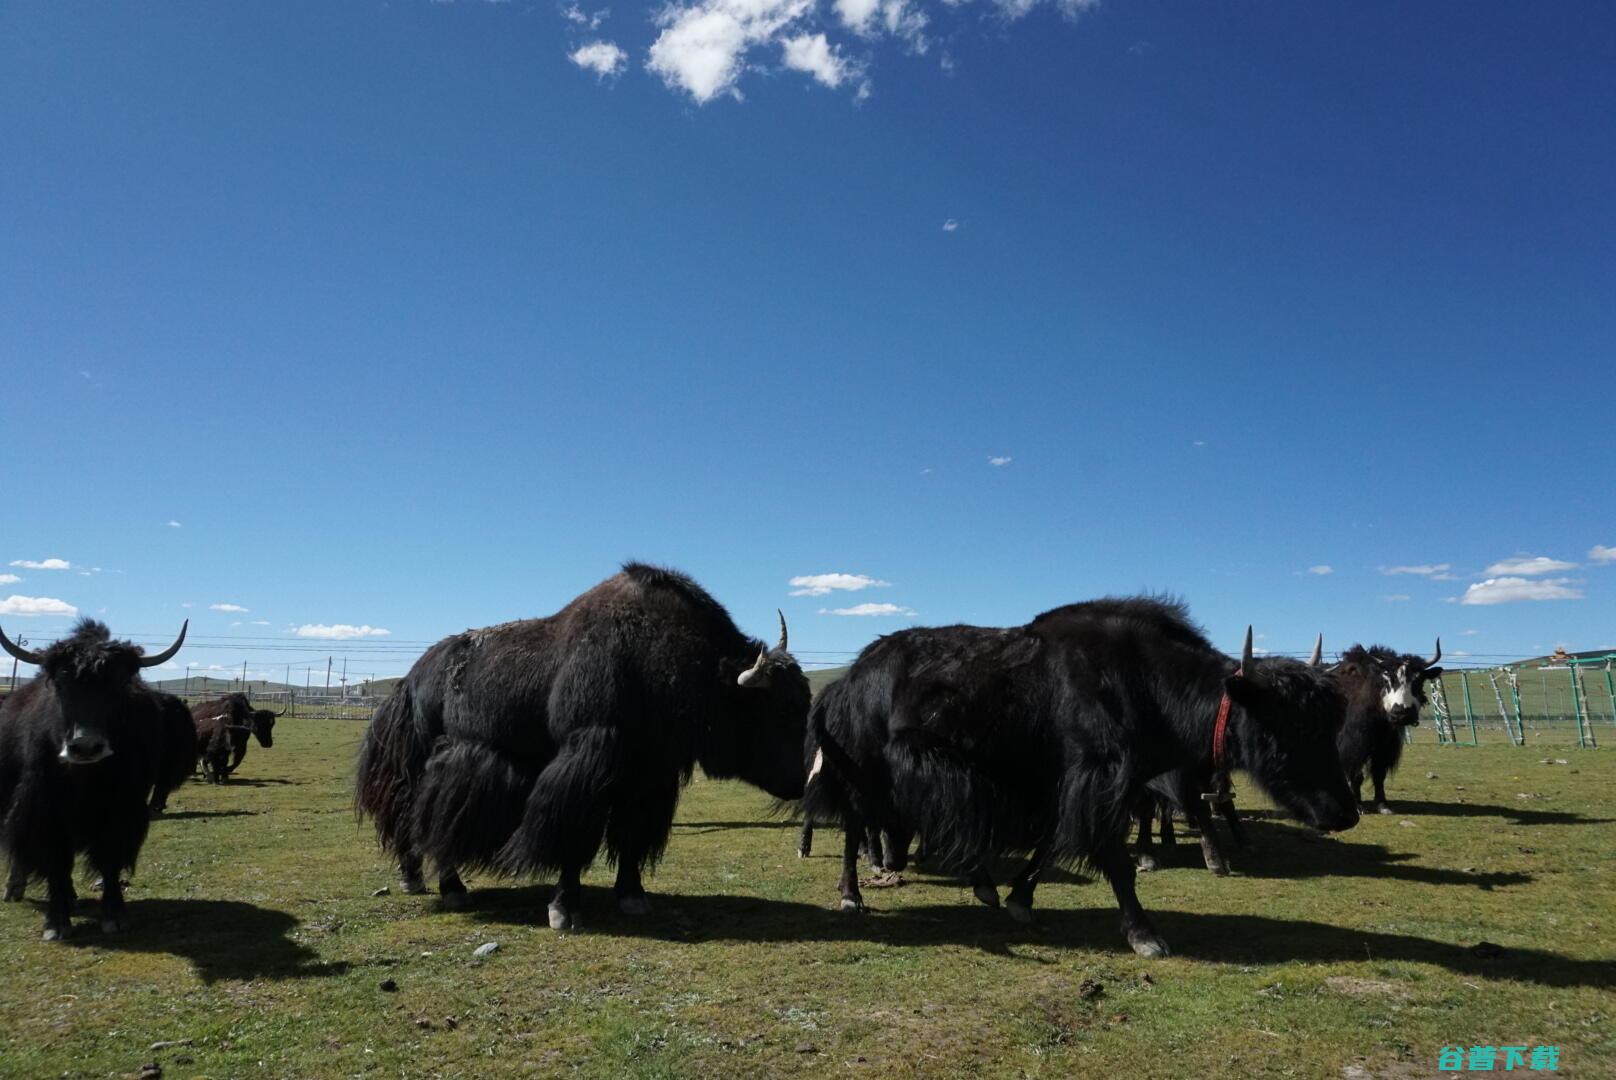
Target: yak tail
957, 808
1096, 808
391, 760
568, 807
469, 800
859, 792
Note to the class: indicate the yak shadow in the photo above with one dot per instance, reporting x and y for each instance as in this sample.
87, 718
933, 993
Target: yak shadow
257, 782
699, 827
1218, 938
185, 815
223, 939
1287, 851
1517, 815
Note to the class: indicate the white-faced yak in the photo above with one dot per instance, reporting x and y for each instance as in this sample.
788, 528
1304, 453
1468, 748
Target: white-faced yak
1384, 693
522, 747
1040, 738
223, 727
82, 747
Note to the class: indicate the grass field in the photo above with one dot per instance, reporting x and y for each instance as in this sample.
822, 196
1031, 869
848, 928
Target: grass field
257, 938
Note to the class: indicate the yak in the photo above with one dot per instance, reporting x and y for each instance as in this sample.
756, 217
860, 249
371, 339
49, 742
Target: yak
81, 749
223, 726
1385, 690
1192, 794
179, 750
1040, 738
521, 748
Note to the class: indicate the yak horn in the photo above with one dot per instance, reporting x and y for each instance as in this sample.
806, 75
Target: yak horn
168, 653
746, 677
782, 646
1318, 652
19, 652
1432, 662
1245, 653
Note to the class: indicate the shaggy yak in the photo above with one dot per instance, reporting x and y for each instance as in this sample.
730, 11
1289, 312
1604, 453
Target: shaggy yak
1384, 693
223, 726
1191, 794
82, 747
1040, 738
521, 747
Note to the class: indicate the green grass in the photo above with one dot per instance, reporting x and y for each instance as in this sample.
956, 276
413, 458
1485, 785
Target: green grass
257, 937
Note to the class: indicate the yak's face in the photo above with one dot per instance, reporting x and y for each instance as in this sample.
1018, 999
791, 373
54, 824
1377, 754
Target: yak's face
1295, 711
95, 700
1402, 687
263, 727
774, 698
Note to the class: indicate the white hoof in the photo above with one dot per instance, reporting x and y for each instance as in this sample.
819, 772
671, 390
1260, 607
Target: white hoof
1145, 863
562, 919
634, 905
1384, 809
53, 933
412, 886
851, 905
1019, 912
1148, 946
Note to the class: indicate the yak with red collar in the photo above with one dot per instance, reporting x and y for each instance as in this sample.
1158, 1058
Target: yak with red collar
223, 727
81, 749
1039, 738
1385, 690
523, 747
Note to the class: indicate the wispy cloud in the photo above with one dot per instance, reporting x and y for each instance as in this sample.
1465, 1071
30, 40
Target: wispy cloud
1321, 570
1529, 566
260, 622
172, 524
998, 461
36, 605
1419, 570
823, 584
42, 564
813, 54
575, 15
604, 58
9, 579
226, 607
1509, 590
339, 631
1599, 553
869, 609
1396, 598
950, 225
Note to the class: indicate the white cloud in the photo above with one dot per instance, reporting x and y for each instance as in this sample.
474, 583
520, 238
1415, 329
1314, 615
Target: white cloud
1422, 570
1599, 553
1530, 565
172, 524
260, 622
575, 15
1321, 569
602, 57
339, 631
869, 609
226, 607
902, 20
1070, 9
1508, 590
950, 225
1469, 633
813, 54
821, 584
1000, 460
35, 605
702, 48
9, 579
43, 564
1396, 598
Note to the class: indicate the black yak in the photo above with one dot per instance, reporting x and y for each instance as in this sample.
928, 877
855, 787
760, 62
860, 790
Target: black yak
521, 747
223, 727
179, 750
1039, 738
81, 749
1384, 692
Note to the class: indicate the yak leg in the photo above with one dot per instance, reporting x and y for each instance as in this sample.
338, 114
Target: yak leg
1379, 766
896, 841
1201, 818
60, 897
1136, 927
983, 886
852, 899
410, 881
1224, 789
1166, 808
16, 883
451, 890
874, 848
805, 842
567, 899
635, 832
1019, 902
1144, 811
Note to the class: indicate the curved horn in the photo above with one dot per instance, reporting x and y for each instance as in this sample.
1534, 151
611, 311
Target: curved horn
168, 653
752, 673
782, 646
1432, 662
1245, 653
1318, 652
19, 652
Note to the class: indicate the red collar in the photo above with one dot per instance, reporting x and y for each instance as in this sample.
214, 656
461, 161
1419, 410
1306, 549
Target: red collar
1220, 731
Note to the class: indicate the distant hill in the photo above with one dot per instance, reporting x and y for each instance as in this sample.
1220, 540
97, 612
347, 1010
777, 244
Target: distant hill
818, 680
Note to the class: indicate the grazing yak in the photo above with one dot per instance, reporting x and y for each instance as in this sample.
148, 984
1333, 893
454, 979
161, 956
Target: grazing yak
1384, 693
1040, 738
521, 747
223, 726
1191, 793
81, 749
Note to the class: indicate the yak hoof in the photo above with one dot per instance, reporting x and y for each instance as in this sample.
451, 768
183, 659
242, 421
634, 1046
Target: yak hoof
987, 894
1220, 869
1147, 944
412, 886
1382, 808
634, 905
1145, 863
113, 926
56, 933
849, 904
562, 919
456, 900
13, 894
1020, 912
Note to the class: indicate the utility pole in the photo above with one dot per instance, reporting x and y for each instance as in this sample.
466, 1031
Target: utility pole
244, 676
22, 642
344, 678
328, 676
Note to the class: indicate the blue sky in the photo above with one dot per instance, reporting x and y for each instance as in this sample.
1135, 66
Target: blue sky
415, 316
